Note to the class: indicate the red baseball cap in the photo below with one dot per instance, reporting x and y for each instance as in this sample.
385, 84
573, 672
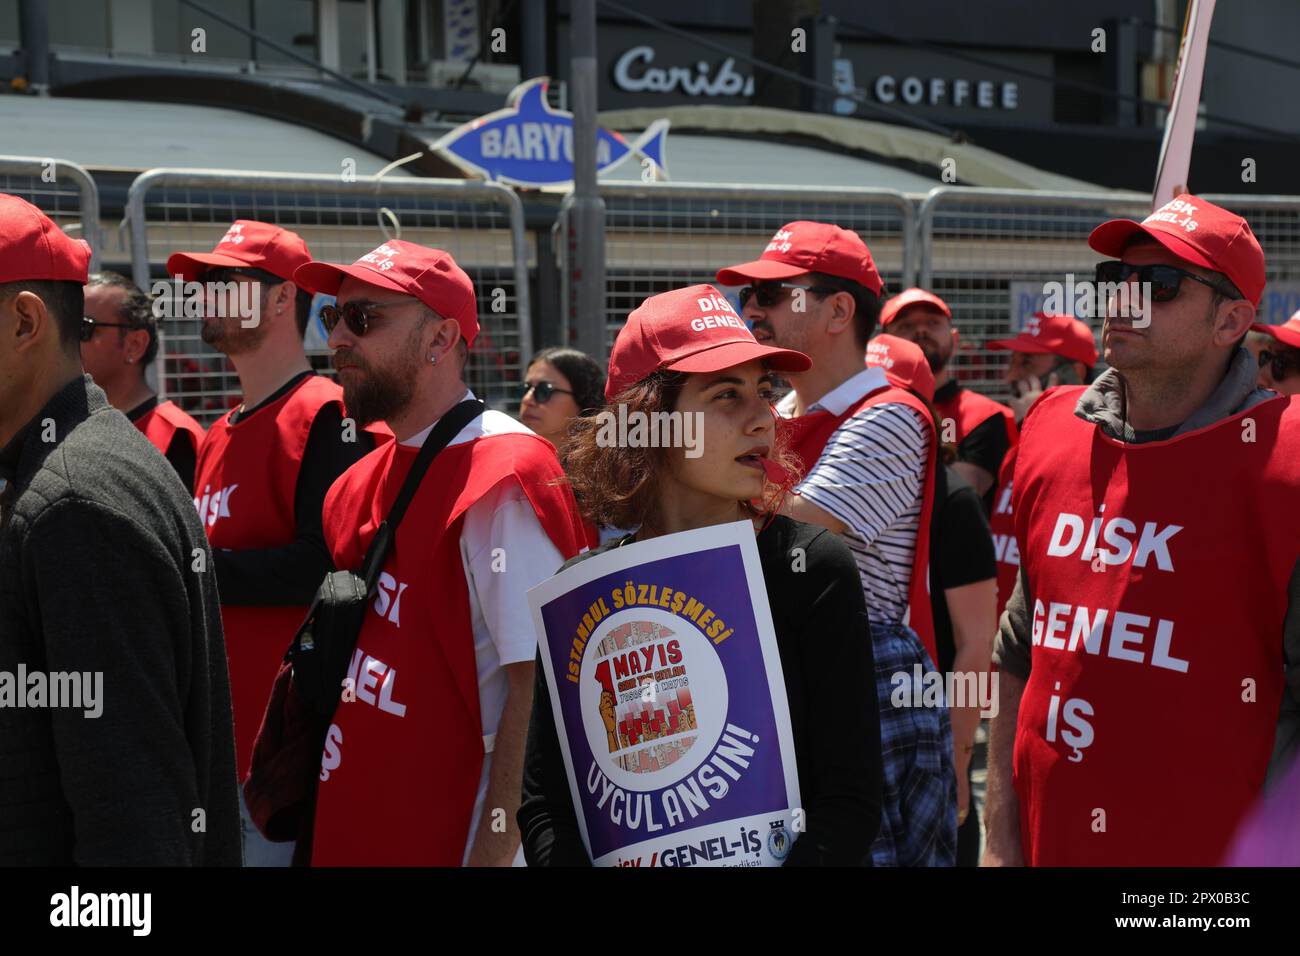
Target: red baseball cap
1198, 232
800, 247
431, 275
1288, 333
1062, 335
904, 364
688, 330
910, 297
248, 243
32, 246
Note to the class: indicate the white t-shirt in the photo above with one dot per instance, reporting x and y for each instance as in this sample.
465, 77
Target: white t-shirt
499, 616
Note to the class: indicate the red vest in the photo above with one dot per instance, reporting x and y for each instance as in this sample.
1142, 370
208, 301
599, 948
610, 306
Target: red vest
161, 423
1158, 579
402, 762
808, 437
1006, 549
968, 410
244, 487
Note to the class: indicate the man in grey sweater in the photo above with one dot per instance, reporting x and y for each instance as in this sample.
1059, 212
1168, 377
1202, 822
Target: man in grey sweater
116, 744
1150, 679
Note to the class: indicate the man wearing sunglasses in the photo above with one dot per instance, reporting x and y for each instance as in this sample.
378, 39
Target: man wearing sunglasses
1150, 653
869, 453
119, 341
264, 468
125, 742
1279, 359
983, 430
425, 765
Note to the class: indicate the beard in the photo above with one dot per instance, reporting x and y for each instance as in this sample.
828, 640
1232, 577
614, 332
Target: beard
377, 394
229, 337
935, 357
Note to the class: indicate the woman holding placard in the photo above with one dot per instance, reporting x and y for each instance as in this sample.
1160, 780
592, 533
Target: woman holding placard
689, 441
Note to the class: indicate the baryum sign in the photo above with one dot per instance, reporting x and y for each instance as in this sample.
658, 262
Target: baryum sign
633, 74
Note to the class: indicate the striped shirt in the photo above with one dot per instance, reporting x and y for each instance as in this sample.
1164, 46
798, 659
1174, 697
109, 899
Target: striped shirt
870, 477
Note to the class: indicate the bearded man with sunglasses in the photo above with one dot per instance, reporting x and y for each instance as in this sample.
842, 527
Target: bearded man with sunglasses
1150, 653
983, 430
424, 766
869, 454
264, 468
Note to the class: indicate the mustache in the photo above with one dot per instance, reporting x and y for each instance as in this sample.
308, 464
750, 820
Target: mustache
340, 361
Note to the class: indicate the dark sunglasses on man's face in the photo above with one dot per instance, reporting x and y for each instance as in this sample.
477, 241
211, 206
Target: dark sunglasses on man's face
88, 326
356, 316
1280, 364
768, 294
542, 391
1163, 280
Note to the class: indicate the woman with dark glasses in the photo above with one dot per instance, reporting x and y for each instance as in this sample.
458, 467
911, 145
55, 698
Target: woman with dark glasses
560, 385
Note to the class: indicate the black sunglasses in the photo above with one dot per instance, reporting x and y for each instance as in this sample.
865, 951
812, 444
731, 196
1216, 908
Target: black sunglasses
1163, 280
88, 326
542, 391
768, 294
1280, 364
355, 316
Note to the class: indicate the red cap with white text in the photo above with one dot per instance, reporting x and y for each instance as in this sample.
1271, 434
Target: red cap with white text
1062, 335
431, 275
800, 247
1198, 232
688, 330
248, 244
903, 362
908, 298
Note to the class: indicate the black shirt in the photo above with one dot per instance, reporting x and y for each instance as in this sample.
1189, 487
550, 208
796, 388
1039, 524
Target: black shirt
822, 636
291, 574
985, 445
180, 452
961, 552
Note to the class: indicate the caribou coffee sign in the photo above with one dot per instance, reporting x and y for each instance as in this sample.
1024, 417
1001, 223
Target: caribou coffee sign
642, 69
634, 72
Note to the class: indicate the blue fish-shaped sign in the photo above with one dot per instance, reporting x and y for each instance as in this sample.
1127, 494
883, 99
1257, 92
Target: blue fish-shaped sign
530, 144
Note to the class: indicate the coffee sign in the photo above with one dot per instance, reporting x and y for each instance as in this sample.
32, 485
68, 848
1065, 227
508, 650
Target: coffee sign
634, 73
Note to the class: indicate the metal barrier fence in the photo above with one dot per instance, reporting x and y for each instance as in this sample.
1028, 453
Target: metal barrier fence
480, 224
660, 236
62, 190
989, 252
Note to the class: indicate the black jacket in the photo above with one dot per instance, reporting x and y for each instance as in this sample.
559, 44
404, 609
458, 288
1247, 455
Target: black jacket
99, 545
825, 646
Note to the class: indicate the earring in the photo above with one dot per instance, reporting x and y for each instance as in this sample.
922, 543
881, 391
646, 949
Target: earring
433, 360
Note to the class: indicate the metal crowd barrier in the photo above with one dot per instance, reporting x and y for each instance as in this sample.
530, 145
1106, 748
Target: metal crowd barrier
989, 252
660, 236
480, 224
62, 190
